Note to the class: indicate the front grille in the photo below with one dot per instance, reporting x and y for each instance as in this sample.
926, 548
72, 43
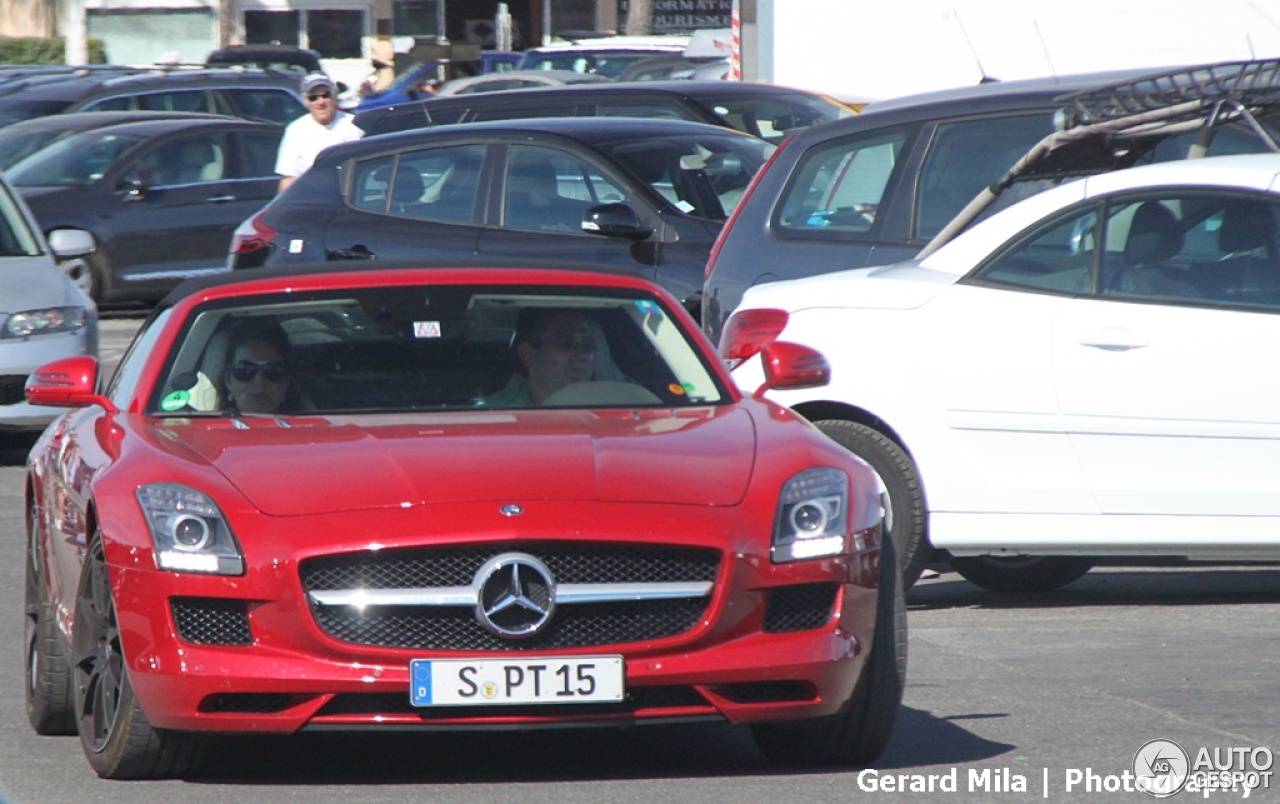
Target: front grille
456, 627
799, 608
11, 388
457, 566
212, 621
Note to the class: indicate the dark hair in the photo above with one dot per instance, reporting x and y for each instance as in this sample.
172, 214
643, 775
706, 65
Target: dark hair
263, 330
266, 330
532, 323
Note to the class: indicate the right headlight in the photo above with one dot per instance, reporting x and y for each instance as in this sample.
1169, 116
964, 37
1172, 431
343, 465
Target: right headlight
813, 516
189, 531
42, 322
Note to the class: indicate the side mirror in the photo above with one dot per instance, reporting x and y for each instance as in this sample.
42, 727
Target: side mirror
615, 220
68, 383
67, 243
135, 188
792, 366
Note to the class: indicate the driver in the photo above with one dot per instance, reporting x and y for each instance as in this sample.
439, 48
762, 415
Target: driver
556, 347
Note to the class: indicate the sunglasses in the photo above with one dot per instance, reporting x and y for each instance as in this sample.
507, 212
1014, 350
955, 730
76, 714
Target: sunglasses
315, 96
246, 370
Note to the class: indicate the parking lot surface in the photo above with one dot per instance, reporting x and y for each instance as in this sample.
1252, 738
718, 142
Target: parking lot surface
1004, 695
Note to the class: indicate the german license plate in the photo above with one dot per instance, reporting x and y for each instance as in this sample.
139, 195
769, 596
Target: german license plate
548, 679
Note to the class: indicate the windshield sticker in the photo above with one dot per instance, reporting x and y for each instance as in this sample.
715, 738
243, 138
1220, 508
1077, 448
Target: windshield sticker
175, 401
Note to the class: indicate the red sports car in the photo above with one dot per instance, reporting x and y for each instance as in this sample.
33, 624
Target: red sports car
462, 497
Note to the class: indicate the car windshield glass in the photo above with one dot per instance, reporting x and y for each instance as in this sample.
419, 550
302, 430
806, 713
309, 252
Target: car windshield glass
15, 111
75, 161
772, 117
431, 348
701, 175
609, 63
16, 237
15, 146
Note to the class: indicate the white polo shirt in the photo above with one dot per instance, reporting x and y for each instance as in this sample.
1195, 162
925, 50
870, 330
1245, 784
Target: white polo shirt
304, 139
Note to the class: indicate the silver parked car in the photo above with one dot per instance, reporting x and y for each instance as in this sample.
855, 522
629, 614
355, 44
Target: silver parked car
44, 316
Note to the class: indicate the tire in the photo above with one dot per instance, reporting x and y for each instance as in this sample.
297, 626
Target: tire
896, 474
117, 739
78, 270
50, 708
1022, 574
92, 278
858, 735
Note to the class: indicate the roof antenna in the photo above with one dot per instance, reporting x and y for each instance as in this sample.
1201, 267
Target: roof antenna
1053, 68
986, 79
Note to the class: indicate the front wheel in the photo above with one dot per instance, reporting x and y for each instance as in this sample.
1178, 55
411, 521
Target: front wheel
857, 735
117, 739
1022, 574
48, 671
900, 491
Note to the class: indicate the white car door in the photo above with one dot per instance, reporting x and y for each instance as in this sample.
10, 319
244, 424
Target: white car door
1168, 383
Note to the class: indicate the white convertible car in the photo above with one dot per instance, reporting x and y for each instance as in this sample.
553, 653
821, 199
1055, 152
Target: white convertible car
1094, 371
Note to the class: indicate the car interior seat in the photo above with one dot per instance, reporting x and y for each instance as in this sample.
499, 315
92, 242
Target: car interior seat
1249, 269
198, 161
453, 199
1155, 237
533, 196
407, 191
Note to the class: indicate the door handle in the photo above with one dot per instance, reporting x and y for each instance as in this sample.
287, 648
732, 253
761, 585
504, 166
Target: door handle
219, 199
1114, 338
356, 252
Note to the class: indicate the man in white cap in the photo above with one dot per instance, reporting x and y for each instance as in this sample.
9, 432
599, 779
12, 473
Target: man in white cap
322, 126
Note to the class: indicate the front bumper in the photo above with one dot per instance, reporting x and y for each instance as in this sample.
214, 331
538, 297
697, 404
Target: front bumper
739, 662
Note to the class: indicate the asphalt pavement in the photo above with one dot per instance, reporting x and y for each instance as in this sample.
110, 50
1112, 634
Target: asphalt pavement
1051, 697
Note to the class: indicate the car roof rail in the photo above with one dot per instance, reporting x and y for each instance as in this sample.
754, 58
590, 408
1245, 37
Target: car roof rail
1114, 126
1245, 82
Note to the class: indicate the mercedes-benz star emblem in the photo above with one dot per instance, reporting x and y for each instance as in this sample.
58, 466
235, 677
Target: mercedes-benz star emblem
515, 595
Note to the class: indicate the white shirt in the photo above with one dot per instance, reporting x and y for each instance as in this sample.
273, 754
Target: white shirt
304, 139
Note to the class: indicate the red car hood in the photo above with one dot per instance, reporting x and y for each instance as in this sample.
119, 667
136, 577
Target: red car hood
703, 456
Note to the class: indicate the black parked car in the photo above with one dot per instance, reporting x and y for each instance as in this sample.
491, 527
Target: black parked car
265, 95
877, 188
762, 110
278, 57
644, 196
20, 140
161, 198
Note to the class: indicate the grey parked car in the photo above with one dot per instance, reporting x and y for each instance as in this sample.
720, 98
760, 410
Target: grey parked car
43, 315
877, 188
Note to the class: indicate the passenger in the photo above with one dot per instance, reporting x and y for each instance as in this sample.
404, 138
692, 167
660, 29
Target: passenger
258, 369
556, 347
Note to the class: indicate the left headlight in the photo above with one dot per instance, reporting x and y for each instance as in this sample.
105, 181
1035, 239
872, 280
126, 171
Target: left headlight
813, 516
189, 531
43, 322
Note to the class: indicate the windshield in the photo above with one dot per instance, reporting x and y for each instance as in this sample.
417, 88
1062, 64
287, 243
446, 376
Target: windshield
15, 146
609, 63
703, 175
75, 161
771, 118
15, 111
16, 237
431, 348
